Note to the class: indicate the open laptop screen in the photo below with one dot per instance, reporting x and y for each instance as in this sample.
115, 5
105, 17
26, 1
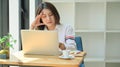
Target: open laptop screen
40, 42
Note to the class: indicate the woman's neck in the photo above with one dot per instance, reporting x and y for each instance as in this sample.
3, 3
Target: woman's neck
51, 27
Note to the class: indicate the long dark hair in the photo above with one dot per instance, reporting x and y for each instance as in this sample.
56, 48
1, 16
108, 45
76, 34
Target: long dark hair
51, 7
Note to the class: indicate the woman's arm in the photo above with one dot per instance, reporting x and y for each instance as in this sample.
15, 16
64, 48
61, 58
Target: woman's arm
36, 22
70, 43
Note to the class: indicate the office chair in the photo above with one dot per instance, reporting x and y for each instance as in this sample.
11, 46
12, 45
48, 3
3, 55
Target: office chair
78, 41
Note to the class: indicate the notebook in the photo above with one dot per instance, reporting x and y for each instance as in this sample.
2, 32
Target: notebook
40, 42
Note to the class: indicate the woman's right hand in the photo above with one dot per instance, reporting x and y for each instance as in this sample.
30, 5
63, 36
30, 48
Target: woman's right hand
62, 46
36, 22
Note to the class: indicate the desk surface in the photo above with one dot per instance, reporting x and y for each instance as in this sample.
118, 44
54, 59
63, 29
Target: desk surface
19, 59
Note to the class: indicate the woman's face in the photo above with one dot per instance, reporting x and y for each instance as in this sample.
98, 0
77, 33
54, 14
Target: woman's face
48, 18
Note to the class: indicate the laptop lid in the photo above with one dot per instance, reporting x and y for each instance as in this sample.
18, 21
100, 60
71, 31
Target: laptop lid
40, 42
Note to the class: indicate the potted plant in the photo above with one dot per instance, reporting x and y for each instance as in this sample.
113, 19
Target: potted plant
5, 43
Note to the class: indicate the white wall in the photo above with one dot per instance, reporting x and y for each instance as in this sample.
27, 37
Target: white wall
32, 10
14, 24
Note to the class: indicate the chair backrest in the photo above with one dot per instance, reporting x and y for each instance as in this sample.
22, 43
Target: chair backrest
78, 41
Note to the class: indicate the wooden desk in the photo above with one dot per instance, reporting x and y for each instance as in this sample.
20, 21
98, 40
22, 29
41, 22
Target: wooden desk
37, 60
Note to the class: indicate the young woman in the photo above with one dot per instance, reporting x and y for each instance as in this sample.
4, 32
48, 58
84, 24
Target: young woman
47, 18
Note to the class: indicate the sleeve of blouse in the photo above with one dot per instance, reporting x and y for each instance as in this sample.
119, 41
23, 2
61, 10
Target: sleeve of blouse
70, 38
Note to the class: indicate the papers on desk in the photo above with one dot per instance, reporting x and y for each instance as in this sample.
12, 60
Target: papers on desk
67, 58
77, 53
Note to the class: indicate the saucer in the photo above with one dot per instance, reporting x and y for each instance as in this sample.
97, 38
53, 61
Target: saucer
69, 57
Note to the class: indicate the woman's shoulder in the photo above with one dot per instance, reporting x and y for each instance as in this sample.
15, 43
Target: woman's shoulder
64, 26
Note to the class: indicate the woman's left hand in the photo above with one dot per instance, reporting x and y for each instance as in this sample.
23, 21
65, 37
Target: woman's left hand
62, 46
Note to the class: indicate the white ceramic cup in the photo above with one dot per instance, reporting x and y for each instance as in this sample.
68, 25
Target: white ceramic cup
66, 53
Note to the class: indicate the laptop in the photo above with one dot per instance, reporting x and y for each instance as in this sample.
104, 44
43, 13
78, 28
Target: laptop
40, 42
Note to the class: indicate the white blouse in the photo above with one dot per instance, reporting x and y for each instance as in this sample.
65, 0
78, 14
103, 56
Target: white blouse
66, 36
